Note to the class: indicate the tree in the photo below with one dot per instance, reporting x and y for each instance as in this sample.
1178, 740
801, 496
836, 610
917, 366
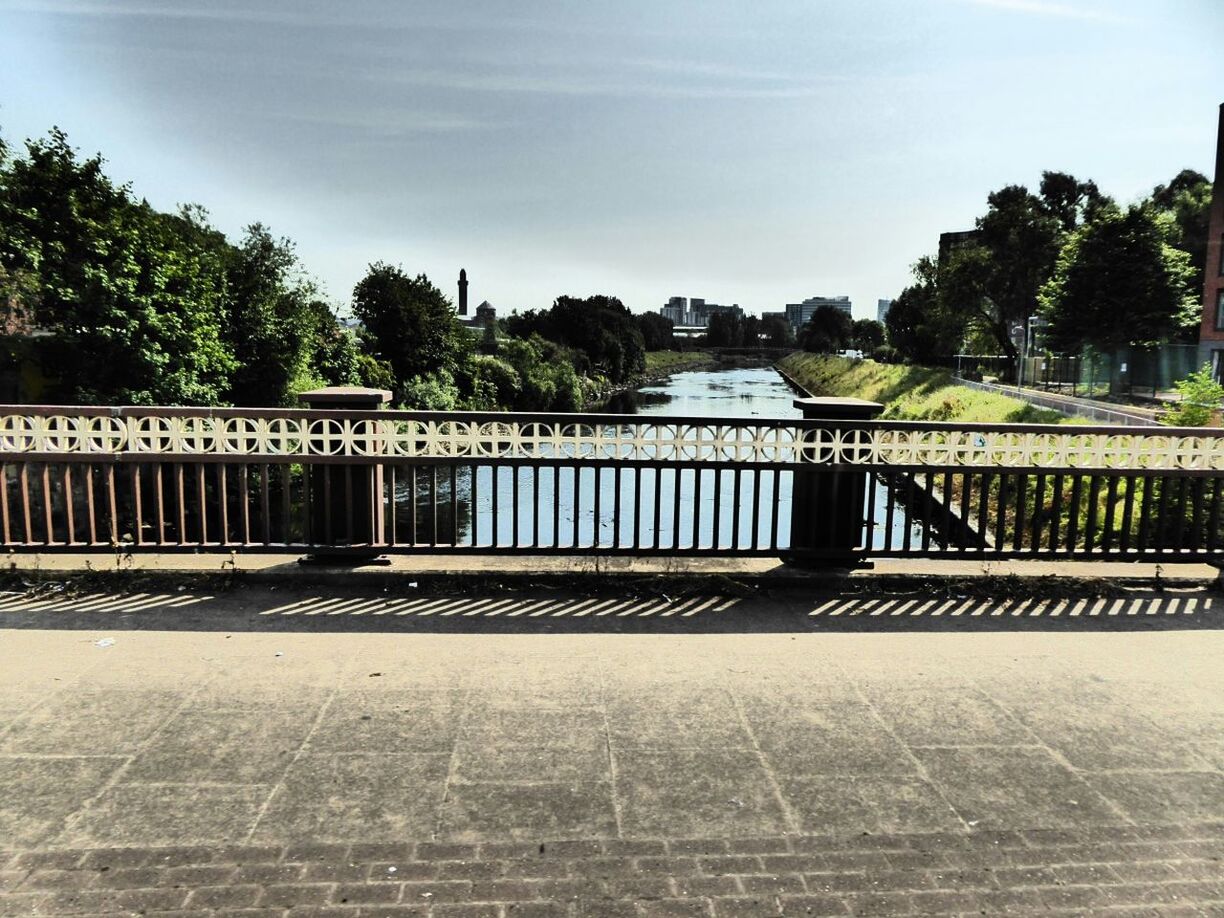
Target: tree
1069, 200
1118, 282
725, 330
991, 284
1200, 401
1185, 203
409, 324
777, 332
919, 327
656, 331
132, 302
270, 320
828, 330
868, 334
333, 349
600, 328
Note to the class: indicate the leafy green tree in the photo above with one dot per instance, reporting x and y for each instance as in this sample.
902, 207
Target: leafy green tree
725, 330
750, 333
656, 331
1118, 282
334, 350
270, 320
868, 334
599, 328
991, 284
920, 328
1185, 204
777, 332
133, 305
410, 325
828, 330
1068, 200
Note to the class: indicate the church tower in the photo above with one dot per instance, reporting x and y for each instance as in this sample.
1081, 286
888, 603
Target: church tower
462, 292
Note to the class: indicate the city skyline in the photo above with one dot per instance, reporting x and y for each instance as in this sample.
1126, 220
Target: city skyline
633, 151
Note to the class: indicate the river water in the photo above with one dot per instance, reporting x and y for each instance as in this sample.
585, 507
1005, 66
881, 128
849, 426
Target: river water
742, 393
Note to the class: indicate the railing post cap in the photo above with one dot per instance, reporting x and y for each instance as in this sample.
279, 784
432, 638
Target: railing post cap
838, 409
346, 396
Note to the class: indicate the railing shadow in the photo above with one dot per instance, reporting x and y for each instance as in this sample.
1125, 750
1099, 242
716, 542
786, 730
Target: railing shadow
546, 610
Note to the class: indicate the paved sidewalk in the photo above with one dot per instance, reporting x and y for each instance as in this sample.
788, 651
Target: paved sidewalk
750, 757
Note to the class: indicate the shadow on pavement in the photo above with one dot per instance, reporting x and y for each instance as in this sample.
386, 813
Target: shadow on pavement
549, 610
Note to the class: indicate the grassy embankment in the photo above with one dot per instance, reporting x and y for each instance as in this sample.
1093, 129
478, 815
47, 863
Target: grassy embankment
1096, 504
660, 363
911, 393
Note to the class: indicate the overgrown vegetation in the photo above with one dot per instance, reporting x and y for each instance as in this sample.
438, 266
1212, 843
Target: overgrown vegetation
104, 300
910, 393
1102, 275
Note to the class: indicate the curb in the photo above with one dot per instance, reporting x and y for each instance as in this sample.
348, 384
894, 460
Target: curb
822, 582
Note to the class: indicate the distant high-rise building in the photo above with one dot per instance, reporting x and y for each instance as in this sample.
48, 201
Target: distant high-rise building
882, 307
694, 312
798, 314
675, 309
1211, 333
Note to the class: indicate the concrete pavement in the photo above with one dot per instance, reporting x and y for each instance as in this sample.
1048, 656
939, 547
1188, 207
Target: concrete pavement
562, 754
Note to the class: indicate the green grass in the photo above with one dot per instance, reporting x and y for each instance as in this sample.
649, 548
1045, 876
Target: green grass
911, 393
674, 361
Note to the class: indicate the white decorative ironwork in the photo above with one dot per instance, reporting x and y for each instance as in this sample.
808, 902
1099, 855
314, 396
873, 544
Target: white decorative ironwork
572, 438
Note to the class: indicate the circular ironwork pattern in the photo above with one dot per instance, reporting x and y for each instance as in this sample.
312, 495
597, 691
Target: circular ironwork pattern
573, 438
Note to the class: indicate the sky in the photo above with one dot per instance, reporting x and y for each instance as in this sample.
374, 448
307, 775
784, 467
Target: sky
746, 152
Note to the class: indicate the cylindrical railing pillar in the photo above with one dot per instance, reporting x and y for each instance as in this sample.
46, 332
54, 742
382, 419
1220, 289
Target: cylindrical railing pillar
341, 492
828, 504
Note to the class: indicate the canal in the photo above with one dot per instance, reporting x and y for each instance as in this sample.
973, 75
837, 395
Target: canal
726, 395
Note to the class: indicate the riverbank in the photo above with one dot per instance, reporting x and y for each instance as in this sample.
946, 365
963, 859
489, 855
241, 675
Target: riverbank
659, 366
909, 393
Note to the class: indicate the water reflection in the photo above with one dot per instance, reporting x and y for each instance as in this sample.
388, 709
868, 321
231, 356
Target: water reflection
739, 393
668, 509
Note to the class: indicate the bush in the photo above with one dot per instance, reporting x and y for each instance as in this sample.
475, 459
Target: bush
1200, 401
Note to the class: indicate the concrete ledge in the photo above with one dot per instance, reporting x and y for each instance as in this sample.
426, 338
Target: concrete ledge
589, 572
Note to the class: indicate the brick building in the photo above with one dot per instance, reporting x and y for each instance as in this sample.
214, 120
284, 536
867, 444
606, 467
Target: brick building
1211, 335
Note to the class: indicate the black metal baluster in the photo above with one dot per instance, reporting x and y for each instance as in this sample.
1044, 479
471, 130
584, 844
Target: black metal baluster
1111, 497
1056, 511
1018, 537
1077, 492
1162, 514
1128, 509
1038, 513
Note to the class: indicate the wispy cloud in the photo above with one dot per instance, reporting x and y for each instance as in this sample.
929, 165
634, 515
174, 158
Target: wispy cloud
181, 11
389, 123
1045, 8
557, 84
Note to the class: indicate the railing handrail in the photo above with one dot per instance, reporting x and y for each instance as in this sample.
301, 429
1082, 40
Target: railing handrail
589, 418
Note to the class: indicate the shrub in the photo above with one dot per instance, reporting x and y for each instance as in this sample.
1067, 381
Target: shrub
1200, 395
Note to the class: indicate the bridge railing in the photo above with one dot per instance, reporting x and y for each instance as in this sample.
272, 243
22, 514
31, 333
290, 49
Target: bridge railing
838, 486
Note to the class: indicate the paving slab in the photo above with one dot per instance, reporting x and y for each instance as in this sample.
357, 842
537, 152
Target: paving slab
789, 754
